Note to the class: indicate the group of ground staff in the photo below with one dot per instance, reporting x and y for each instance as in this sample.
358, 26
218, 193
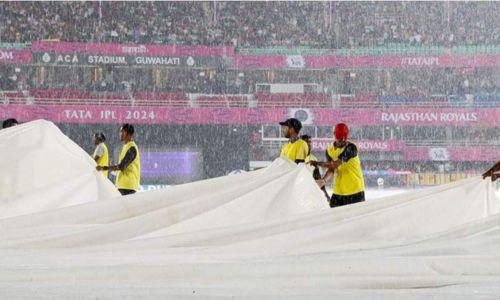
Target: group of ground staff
341, 161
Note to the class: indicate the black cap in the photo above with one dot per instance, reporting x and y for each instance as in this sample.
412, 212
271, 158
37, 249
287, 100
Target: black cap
292, 123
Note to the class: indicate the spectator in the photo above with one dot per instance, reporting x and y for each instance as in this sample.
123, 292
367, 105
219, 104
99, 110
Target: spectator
255, 24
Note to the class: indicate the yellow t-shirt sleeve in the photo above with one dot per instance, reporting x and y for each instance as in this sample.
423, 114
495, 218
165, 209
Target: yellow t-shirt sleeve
302, 151
283, 150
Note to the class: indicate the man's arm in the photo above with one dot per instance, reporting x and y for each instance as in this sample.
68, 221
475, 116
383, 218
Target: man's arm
124, 163
322, 182
330, 164
323, 164
349, 152
329, 172
99, 152
127, 159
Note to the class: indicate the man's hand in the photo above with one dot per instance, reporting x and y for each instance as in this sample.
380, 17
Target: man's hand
322, 164
331, 165
335, 164
99, 168
490, 173
312, 163
320, 183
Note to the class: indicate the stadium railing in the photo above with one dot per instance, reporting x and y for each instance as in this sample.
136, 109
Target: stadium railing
305, 100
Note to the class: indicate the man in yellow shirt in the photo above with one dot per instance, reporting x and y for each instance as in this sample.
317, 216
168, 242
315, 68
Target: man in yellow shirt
296, 149
342, 157
101, 155
129, 166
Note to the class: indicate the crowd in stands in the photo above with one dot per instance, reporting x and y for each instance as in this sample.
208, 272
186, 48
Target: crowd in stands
426, 166
372, 169
429, 135
420, 82
267, 24
368, 85
468, 90
322, 24
264, 24
476, 135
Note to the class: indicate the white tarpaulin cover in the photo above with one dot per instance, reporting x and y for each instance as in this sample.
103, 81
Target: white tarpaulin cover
42, 169
65, 233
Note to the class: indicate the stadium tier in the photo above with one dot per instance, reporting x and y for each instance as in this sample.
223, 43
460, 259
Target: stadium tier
419, 90
326, 24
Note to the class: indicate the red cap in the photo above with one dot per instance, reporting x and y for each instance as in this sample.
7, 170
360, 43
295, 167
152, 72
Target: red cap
341, 132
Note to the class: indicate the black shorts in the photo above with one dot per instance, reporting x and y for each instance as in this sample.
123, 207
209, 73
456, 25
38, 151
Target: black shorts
126, 192
339, 200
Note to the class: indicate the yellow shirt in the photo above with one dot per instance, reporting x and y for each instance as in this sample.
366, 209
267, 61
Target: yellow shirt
348, 178
103, 158
311, 157
295, 149
129, 178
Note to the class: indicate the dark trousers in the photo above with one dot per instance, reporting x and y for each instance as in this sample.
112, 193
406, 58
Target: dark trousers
339, 200
126, 192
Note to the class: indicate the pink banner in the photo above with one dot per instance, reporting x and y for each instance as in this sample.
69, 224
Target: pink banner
141, 115
114, 114
131, 49
428, 117
15, 56
453, 153
277, 61
407, 61
117, 115
373, 61
363, 145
